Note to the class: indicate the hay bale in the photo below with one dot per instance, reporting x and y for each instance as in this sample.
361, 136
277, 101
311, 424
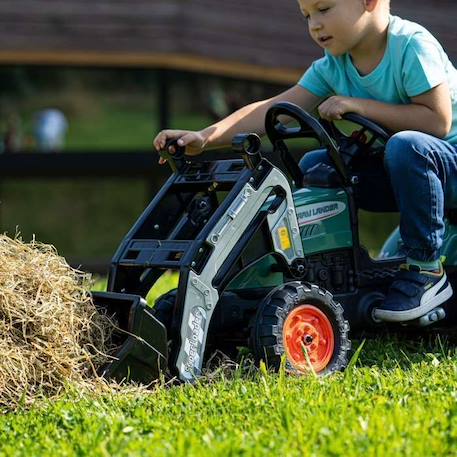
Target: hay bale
50, 332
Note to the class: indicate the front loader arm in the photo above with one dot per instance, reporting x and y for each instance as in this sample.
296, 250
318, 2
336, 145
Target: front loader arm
200, 291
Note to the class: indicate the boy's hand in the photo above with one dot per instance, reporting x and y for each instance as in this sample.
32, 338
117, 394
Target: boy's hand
193, 141
334, 107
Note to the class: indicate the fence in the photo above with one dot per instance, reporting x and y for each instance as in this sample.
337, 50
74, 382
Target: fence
88, 165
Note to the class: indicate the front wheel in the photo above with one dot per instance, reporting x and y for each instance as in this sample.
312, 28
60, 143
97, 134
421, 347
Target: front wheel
304, 323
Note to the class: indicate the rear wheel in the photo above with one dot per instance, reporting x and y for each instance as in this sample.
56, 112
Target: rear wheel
304, 323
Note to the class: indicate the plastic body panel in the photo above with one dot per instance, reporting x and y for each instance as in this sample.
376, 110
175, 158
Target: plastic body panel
263, 273
325, 225
324, 219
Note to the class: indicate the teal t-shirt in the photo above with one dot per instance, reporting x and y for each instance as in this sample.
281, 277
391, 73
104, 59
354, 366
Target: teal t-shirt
414, 62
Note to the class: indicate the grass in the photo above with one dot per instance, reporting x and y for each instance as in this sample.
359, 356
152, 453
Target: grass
398, 398
123, 128
105, 121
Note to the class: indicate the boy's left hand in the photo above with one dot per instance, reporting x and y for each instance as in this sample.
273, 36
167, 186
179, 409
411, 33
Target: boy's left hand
334, 107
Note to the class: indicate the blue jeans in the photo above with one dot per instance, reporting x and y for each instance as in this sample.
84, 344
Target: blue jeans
419, 179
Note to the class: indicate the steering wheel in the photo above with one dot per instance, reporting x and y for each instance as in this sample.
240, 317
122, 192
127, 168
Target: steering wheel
325, 132
360, 140
308, 127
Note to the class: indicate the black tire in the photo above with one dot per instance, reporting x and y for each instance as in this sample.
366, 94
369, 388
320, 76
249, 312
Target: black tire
163, 308
267, 331
163, 311
216, 340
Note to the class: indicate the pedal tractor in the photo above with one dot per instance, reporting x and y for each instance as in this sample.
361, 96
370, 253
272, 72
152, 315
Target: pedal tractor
267, 259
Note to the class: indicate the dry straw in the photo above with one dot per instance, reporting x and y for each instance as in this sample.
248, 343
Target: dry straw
50, 332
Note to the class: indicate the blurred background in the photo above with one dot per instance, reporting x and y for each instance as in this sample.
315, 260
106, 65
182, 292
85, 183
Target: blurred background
85, 86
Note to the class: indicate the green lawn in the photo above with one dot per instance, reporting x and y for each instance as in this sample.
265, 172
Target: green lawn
107, 121
398, 398
124, 128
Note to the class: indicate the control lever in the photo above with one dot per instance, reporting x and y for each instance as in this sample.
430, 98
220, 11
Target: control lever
176, 160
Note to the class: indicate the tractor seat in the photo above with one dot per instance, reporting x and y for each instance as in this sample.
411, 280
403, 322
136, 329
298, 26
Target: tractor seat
321, 175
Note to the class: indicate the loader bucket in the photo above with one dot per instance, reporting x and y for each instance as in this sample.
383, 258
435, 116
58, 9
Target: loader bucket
141, 338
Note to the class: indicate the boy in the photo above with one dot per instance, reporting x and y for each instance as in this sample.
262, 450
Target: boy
395, 73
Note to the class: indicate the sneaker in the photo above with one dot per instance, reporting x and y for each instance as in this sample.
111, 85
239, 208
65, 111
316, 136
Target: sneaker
413, 294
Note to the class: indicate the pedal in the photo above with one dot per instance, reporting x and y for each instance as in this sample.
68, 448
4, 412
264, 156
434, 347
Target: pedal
435, 315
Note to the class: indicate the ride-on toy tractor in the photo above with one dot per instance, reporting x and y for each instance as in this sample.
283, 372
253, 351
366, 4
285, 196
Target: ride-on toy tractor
267, 259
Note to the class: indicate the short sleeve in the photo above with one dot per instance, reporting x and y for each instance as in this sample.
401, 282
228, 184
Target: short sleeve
314, 81
423, 65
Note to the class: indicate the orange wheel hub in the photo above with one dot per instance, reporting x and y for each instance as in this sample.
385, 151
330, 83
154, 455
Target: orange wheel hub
308, 338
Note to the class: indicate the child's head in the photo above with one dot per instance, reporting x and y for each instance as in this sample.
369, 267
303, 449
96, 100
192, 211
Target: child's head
341, 25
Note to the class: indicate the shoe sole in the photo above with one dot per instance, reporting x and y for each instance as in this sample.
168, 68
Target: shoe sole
422, 309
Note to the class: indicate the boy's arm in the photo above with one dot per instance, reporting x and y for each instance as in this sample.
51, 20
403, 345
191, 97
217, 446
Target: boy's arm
250, 118
430, 112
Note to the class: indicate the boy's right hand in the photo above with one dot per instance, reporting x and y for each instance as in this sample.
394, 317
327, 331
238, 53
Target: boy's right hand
193, 141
